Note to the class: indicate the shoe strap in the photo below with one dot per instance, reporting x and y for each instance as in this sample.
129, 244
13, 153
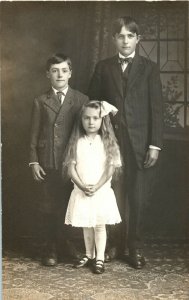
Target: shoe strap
100, 262
84, 259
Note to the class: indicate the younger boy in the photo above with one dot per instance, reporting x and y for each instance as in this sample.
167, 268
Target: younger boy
53, 117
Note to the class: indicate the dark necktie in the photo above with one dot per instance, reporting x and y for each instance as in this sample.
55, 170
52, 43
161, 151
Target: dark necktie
59, 95
125, 72
127, 60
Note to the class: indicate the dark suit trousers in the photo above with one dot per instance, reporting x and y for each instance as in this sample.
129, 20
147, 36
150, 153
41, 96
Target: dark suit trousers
138, 184
53, 205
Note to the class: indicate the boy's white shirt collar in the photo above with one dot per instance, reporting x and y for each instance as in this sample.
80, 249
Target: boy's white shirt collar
64, 91
131, 55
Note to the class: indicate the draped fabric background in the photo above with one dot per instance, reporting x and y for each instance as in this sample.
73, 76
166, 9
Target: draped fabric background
31, 32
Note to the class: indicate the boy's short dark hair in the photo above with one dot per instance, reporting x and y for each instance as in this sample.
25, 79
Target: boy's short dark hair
126, 21
57, 59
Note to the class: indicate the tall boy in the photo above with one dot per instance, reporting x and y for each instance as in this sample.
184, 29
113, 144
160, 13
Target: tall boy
53, 117
132, 83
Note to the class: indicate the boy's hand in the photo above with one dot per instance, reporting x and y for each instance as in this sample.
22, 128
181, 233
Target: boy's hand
151, 158
38, 172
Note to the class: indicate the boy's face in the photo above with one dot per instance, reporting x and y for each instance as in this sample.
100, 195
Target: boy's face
59, 75
126, 41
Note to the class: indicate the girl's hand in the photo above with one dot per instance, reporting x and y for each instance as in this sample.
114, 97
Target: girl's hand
85, 188
90, 190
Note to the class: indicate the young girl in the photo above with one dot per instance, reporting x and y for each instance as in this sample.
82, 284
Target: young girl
93, 156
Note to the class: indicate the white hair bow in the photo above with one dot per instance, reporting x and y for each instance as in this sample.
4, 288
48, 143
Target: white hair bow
107, 108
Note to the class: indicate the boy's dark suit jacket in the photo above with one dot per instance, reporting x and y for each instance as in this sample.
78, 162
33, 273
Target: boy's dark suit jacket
140, 111
52, 125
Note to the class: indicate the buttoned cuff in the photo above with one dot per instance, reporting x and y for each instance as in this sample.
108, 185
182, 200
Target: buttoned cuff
33, 163
154, 147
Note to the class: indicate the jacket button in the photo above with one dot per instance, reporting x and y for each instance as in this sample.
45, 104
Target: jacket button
56, 125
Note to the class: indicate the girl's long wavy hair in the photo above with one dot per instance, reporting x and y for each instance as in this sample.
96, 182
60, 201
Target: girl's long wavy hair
106, 132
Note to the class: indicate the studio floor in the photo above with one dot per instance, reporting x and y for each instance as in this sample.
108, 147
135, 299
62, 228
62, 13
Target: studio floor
165, 277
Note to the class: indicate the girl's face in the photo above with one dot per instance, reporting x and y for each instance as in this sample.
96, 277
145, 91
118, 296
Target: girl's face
91, 120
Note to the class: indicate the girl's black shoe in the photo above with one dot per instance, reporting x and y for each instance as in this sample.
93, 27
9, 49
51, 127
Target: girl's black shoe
83, 262
99, 267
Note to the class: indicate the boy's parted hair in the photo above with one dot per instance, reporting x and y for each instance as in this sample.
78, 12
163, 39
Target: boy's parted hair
57, 59
106, 132
127, 21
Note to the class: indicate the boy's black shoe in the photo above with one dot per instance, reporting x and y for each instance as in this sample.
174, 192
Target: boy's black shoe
107, 258
136, 259
49, 257
112, 253
50, 260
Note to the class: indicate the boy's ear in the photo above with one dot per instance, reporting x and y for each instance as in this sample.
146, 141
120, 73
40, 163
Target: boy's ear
114, 40
139, 37
47, 74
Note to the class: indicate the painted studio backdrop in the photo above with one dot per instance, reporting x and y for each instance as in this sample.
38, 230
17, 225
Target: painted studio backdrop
31, 32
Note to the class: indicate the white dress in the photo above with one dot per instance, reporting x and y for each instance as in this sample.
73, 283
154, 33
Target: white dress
101, 208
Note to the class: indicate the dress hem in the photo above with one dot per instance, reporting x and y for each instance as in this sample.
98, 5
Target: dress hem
93, 225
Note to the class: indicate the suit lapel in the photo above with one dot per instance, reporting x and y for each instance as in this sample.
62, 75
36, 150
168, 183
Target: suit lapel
52, 102
115, 69
136, 71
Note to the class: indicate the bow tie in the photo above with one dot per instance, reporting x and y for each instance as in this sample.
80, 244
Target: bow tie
125, 60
